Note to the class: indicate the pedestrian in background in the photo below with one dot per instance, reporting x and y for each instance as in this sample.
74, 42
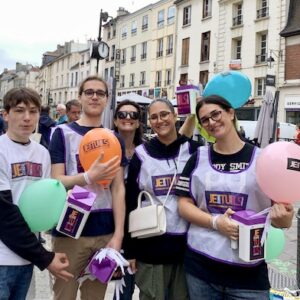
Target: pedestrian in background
22, 161
154, 168
61, 114
73, 110
105, 224
212, 174
46, 123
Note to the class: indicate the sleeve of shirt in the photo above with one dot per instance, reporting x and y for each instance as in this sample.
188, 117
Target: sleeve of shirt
17, 236
57, 148
183, 183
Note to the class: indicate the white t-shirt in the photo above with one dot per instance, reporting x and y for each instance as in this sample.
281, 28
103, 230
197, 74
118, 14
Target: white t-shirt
20, 165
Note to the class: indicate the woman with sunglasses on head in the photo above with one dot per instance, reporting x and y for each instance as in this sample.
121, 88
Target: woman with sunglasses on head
127, 124
154, 168
213, 177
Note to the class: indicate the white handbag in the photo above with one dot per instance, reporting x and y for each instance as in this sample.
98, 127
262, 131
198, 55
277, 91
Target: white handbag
150, 220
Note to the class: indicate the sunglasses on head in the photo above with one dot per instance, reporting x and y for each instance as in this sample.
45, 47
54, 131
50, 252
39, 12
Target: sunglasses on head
132, 114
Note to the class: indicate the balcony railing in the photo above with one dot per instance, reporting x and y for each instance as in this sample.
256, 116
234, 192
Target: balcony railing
123, 61
262, 13
144, 56
159, 53
169, 51
124, 35
122, 84
236, 21
158, 83
261, 58
167, 82
131, 83
133, 31
132, 59
144, 26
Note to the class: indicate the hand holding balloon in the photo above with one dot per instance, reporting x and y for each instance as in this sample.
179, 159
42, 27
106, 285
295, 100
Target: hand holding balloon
281, 215
103, 170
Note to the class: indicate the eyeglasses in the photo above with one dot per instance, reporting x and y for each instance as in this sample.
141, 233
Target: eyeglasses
124, 114
163, 115
216, 115
99, 93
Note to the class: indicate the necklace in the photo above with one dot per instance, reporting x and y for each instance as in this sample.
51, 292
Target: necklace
129, 151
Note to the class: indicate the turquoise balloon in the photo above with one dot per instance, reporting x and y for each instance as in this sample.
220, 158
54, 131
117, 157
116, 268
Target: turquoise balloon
274, 243
234, 86
41, 204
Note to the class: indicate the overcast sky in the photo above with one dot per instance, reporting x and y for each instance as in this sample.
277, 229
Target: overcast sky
28, 28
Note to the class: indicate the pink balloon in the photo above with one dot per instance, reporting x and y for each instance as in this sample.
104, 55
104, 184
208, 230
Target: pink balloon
278, 171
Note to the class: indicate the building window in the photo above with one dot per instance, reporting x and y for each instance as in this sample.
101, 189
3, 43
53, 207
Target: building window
143, 78
133, 28
262, 49
207, 8
205, 45
203, 78
144, 50
145, 22
171, 15
76, 78
133, 54
160, 18
168, 77
124, 32
238, 14
62, 80
114, 30
131, 82
106, 74
263, 11
72, 79
113, 51
260, 87
160, 48
185, 51
237, 48
122, 81
123, 59
187, 15
112, 72
158, 79
169, 44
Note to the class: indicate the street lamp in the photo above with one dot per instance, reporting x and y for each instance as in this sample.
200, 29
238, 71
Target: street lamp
277, 53
100, 50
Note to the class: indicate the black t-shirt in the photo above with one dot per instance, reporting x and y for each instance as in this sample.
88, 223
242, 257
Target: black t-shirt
252, 278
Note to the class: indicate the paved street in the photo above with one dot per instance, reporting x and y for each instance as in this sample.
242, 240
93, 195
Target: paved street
282, 271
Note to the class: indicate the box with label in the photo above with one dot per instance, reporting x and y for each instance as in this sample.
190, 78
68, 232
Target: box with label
251, 228
76, 211
186, 99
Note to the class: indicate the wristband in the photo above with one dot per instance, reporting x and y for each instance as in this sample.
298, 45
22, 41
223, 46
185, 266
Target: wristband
214, 222
86, 178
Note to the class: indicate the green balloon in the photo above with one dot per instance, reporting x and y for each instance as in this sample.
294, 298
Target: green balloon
41, 204
274, 243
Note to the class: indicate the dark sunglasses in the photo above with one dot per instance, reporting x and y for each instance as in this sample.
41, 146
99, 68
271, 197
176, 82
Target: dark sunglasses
132, 114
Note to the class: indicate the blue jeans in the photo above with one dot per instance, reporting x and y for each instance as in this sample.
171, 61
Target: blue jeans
15, 281
199, 289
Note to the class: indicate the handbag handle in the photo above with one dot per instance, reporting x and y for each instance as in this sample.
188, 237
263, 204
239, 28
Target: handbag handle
140, 198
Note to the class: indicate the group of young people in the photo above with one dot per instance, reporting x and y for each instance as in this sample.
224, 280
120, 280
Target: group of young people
193, 259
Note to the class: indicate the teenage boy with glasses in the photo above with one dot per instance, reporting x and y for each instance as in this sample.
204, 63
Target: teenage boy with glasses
105, 225
22, 162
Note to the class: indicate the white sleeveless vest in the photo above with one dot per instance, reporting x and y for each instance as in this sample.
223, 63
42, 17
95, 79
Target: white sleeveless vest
72, 141
156, 176
214, 191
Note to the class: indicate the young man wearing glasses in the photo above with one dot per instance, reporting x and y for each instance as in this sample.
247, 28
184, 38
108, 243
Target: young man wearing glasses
104, 227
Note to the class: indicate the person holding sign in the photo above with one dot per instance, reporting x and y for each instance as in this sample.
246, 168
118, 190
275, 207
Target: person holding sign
217, 181
22, 162
105, 224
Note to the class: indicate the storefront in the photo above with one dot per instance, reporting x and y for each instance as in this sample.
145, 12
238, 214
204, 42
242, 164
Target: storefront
292, 108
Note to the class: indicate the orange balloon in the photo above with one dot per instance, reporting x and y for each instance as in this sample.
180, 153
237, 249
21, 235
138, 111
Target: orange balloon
95, 142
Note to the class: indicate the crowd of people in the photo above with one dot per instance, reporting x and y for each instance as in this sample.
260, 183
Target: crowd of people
193, 259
